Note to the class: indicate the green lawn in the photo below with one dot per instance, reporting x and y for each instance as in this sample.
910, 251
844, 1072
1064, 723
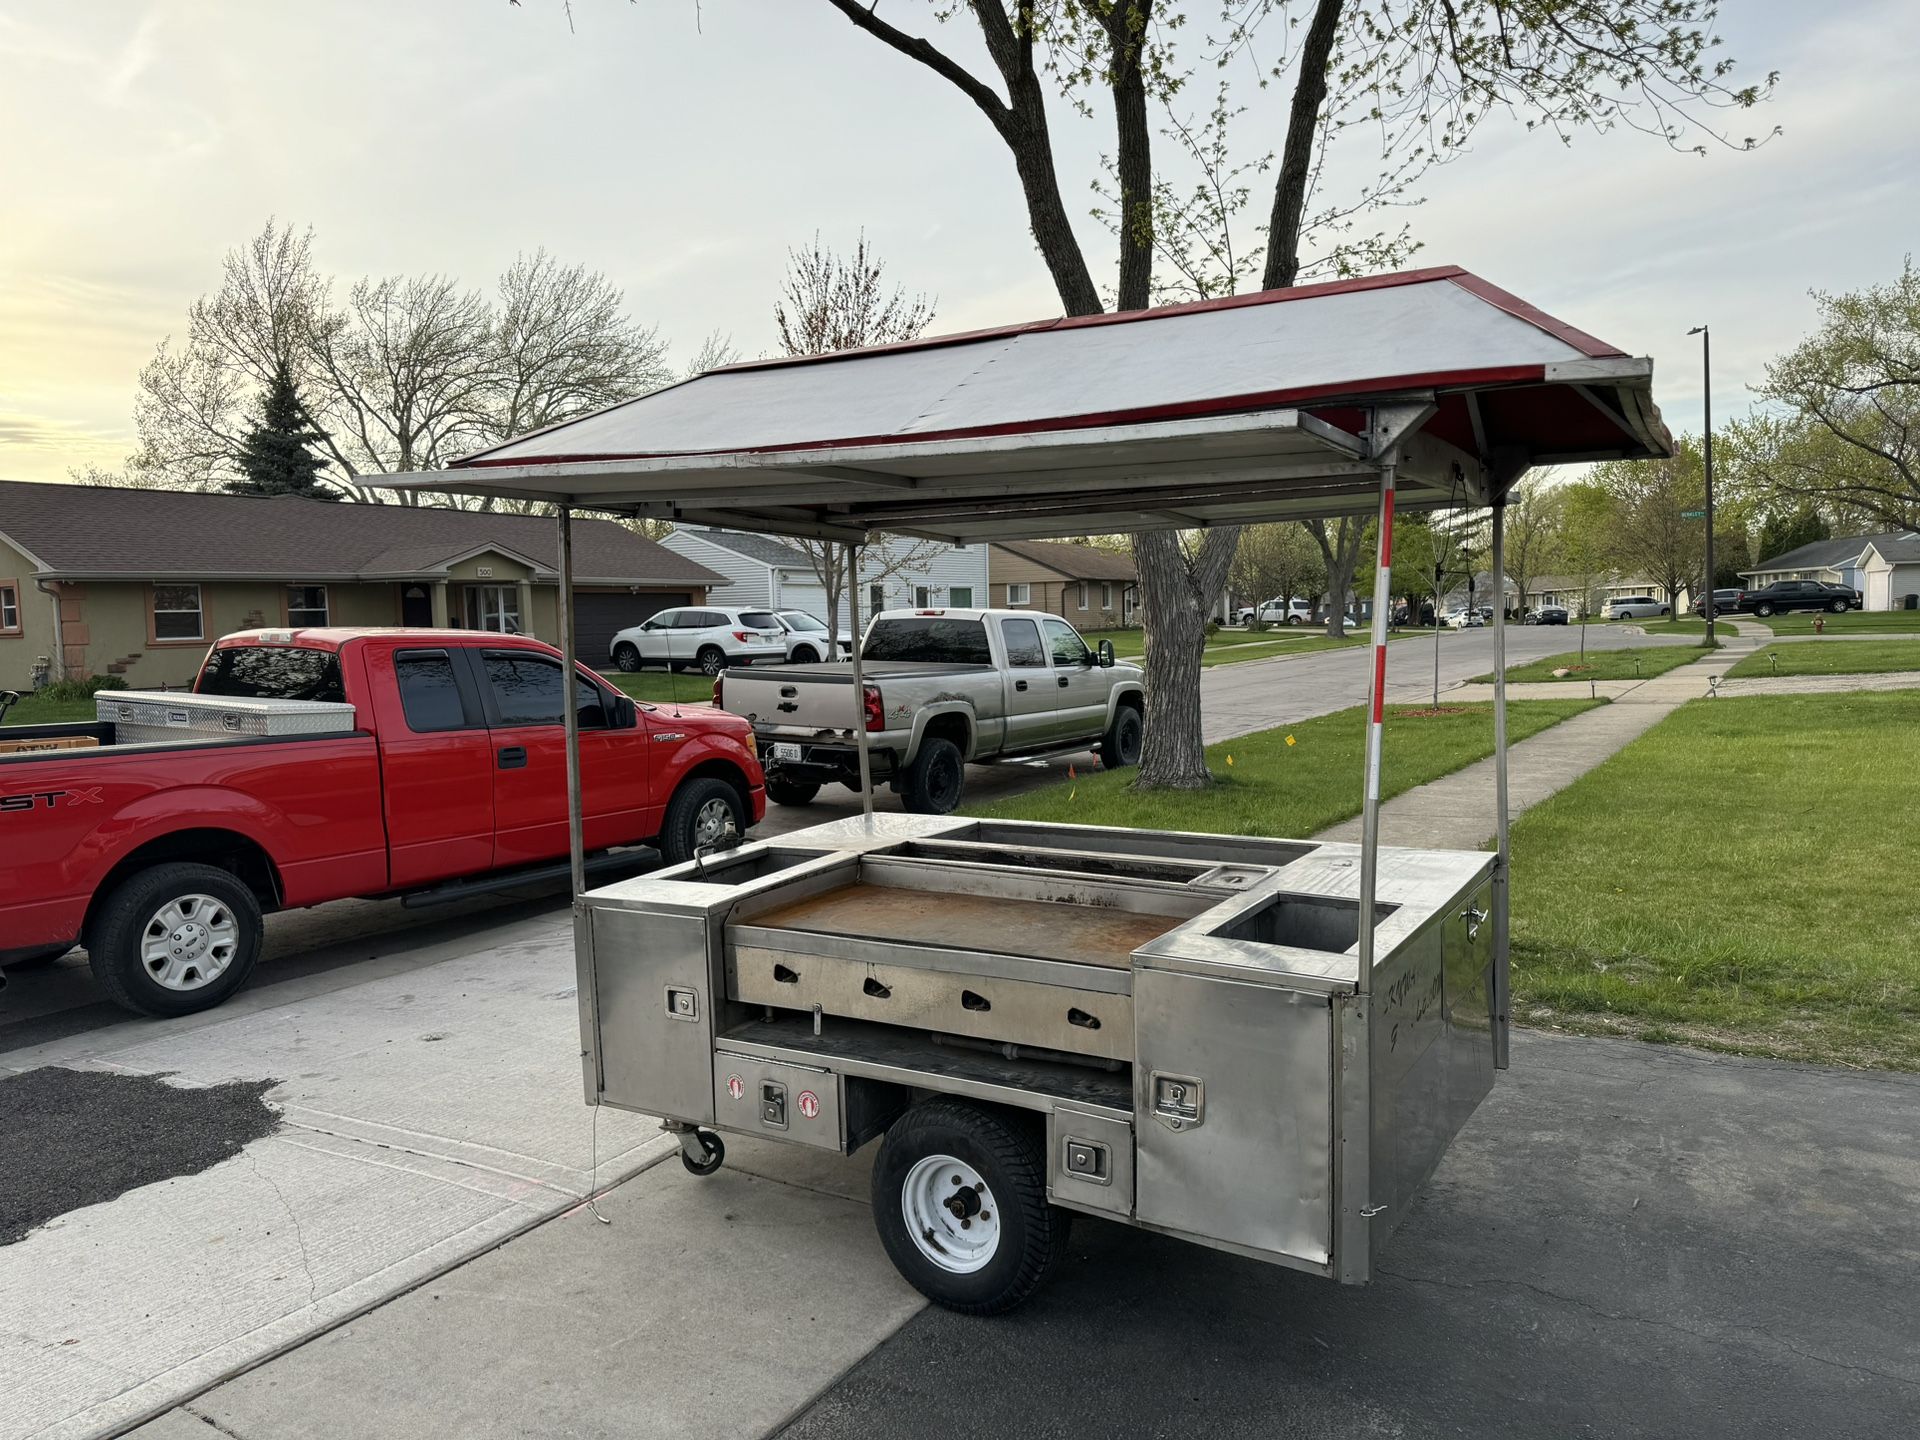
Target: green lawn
1854, 622
663, 687
38, 710
1841, 657
1602, 664
1292, 781
1735, 879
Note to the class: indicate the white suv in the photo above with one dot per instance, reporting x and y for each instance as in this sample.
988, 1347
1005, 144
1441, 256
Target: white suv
807, 637
1635, 607
701, 637
1272, 612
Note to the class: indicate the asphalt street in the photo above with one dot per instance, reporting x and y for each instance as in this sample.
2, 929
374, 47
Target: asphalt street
341, 943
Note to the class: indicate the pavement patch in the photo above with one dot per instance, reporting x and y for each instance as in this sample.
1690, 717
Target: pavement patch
83, 1137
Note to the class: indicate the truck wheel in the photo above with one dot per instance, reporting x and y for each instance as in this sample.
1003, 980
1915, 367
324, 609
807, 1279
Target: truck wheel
627, 657
175, 938
960, 1201
699, 814
936, 779
1763, 609
790, 792
711, 659
1839, 607
35, 959
1120, 746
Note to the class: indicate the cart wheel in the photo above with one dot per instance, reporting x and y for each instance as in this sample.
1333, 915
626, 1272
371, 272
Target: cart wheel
714, 1150
960, 1201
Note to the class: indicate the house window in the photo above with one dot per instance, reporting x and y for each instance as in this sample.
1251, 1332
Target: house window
9, 608
1106, 595
922, 596
876, 599
1083, 594
176, 612
1019, 594
494, 607
960, 597
306, 605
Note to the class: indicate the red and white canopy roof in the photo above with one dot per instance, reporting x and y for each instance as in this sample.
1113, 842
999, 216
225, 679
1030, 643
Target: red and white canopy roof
1253, 407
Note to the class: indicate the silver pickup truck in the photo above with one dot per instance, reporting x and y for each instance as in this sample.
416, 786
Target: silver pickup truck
943, 688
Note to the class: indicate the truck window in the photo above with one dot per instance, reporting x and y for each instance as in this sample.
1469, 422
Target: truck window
1022, 639
272, 672
929, 640
1067, 646
526, 691
429, 693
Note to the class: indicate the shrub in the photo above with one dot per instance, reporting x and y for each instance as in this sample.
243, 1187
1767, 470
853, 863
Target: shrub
68, 690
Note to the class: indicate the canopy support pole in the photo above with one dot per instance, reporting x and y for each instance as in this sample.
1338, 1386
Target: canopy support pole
1370, 812
569, 709
859, 688
1501, 1002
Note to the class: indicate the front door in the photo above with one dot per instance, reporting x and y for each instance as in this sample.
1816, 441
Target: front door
416, 606
1080, 686
521, 690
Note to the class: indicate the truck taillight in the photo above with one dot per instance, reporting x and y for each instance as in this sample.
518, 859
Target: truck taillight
876, 713
718, 681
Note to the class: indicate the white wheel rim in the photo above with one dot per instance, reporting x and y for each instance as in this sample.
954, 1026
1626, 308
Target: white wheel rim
189, 942
950, 1214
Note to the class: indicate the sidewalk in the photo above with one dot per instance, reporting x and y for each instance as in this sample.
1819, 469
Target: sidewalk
1455, 812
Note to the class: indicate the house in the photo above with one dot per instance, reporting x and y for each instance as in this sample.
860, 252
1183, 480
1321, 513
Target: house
897, 573
1890, 572
135, 583
1884, 568
1091, 586
1588, 594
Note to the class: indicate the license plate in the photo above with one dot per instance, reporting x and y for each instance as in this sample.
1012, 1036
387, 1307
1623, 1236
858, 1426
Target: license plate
787, 752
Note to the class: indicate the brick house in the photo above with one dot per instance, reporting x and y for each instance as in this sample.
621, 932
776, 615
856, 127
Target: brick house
137, 582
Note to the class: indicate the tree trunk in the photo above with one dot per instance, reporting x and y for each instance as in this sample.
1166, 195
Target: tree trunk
1340, 548
1172, 755
1296, 160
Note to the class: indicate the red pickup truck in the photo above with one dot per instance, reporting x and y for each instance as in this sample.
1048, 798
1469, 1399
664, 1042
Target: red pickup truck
161, 856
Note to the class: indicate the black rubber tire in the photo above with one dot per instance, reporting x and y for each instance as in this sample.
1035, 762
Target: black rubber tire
627, 657
676, 840
716, 1151
791, 792
1763, 609
936, 781
805, 655
1293, 619
1839, 607
1120, 746
113, 940
711, 659
1010, 1156
38, 960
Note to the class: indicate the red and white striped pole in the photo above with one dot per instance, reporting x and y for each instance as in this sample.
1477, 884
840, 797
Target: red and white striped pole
1376, 715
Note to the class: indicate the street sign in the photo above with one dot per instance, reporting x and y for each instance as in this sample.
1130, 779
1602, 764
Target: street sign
1693, 514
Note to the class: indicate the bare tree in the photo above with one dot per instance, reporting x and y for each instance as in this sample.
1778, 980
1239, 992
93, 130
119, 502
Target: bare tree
1534, 528
1277, 561
715, 351
841, 302
1649, 535
403, 374
1418, 76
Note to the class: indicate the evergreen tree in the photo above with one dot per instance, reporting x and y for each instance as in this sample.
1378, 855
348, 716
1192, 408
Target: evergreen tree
275, 459
1784, 530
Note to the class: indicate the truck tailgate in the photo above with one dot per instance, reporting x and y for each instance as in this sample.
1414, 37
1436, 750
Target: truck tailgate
819, 697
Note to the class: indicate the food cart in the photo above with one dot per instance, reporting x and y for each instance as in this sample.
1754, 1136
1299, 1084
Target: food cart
1262, 1045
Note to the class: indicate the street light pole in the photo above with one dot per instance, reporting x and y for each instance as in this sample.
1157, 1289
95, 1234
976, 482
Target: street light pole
1706, 400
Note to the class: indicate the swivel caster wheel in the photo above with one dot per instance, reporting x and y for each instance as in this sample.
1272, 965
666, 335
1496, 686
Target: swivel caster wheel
701, 1151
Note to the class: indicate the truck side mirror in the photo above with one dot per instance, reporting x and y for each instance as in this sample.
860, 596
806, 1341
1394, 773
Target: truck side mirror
1106, 654
625, 714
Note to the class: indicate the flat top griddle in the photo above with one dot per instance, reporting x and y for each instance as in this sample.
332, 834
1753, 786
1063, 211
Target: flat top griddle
1046, 930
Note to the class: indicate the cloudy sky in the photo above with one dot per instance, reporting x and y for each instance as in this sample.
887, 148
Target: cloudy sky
683, 147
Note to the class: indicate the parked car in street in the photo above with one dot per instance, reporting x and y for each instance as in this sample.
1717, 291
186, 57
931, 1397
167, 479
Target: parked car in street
1464, 620
1278, 612
1725, 602
1635, 607
313, 765
1547, 615
1786, 595
703, 638
944, 688
807, 638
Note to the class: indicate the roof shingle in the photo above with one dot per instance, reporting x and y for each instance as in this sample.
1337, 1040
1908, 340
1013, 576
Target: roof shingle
1076, 562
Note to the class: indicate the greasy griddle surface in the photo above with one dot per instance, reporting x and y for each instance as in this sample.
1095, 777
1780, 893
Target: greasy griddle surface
1043, 929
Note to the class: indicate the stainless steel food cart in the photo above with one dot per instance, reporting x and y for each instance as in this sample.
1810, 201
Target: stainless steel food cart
1263, 1045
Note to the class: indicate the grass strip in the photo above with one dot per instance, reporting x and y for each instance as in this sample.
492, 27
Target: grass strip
1842, 657
1293, 780
1635, 664
1737, 878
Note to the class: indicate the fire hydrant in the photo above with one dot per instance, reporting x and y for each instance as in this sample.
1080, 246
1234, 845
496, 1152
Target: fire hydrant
1819, 624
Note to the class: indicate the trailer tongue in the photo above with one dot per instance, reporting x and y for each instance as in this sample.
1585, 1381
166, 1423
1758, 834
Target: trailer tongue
1260, 1045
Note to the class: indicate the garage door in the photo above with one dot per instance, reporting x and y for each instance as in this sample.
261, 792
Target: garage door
598, 618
